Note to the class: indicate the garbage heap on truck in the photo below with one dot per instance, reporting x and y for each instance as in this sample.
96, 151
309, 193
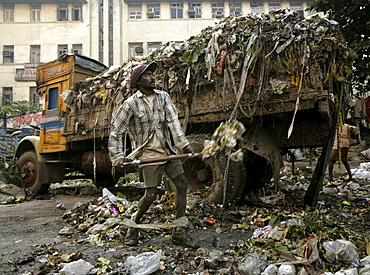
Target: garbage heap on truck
277, 75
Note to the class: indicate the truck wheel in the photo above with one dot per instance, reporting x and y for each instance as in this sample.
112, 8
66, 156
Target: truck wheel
29, 171
104, 180
236, 180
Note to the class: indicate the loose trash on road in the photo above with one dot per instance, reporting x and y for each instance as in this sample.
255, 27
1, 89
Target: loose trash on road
10, 193
243, 239
144, 263
279, 241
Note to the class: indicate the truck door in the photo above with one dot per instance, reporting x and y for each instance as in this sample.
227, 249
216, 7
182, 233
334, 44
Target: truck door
52, 123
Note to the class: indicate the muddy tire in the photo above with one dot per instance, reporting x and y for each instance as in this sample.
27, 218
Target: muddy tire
104, 180
236, 180
29, 171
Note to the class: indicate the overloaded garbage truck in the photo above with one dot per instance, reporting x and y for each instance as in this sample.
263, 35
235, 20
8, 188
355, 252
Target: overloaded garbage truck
277, 76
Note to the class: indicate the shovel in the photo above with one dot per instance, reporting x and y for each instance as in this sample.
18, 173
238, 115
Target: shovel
159, 159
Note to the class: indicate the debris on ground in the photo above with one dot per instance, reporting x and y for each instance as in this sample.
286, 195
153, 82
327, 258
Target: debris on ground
73, 187
290, 239
285, 238
10, 193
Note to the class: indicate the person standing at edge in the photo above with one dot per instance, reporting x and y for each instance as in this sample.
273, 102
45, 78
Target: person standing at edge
344, 144
151, 120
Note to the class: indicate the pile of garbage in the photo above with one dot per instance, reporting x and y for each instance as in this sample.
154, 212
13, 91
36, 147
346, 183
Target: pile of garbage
245, 239
362, 172
255, 56
343, 190
242, 239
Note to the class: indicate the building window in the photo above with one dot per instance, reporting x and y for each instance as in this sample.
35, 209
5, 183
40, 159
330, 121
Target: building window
274, 7
9, 13
152, 46
257, 7
62, 13
7, 95
77, 48
135, 49
77, 13
177, 10
35, 53
62, 49
235, 9
8, 54
35, 12
153, 11
218, 10
297, 7
34, 97
195, 10
134, 11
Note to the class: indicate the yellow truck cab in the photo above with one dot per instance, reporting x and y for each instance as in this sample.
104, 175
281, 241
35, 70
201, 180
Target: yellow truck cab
45, 158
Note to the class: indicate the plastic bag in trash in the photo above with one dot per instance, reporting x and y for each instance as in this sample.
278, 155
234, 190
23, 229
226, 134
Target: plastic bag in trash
112, 197
79, 267
144, 263
340, 251
366, 153
350, 271
287, 269
270, 270
252, 264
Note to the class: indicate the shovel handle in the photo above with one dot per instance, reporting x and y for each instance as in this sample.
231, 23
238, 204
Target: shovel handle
152, 160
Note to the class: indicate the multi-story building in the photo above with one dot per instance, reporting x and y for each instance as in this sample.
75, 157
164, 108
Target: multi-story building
33, 32
111, 31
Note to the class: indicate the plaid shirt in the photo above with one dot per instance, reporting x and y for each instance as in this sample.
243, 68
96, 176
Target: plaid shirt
136, 116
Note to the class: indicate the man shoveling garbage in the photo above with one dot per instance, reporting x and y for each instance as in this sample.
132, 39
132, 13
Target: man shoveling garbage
151, 120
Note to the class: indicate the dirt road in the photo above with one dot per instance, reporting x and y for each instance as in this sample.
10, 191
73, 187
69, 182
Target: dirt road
31, 224
31, 243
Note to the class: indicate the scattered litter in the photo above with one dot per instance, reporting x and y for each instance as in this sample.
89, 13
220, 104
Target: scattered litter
79, 267
340, 251
61, 206
180, 222
287, 269
10, 193
145, 263
263, 236
252, 264
261, 231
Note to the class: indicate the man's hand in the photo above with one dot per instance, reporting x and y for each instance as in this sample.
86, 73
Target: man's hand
119, 168
188, 149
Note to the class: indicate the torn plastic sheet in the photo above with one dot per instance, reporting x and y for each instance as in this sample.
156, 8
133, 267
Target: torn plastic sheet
306, 254
112, 197
180, 222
